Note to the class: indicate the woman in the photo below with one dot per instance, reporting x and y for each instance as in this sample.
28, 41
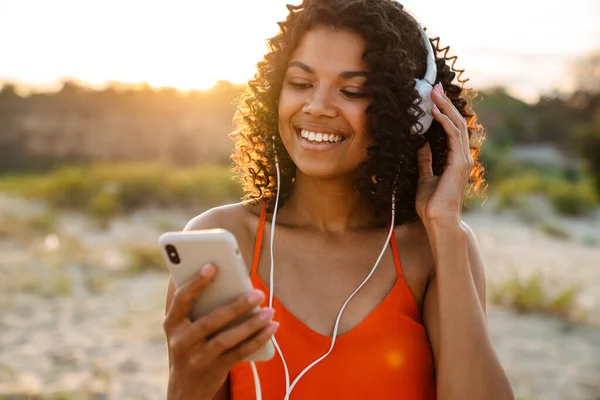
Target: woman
331, 129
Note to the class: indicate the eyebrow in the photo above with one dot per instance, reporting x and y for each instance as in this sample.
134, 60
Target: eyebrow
344, 75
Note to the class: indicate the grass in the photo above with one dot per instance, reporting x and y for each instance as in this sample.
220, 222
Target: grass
530, 295
8, 374
97, 282
46, 272
81, 395
51, 281
591, 241
144, 258
511, 191
100, 372
574, 199
567, 198
167, 225
23, 227
49, 275
103, 191
554, 230
59, 395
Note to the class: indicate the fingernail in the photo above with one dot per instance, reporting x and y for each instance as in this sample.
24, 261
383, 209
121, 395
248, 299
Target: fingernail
255, 296
207, 270
272, 327
439, 88
435, 108
266, 313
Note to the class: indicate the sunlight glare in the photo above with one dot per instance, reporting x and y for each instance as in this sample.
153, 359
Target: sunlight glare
190, 44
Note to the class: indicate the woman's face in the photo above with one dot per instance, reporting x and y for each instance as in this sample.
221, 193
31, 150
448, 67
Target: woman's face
322, 105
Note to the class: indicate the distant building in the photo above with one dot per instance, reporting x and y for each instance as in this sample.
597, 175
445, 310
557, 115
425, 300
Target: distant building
543, 155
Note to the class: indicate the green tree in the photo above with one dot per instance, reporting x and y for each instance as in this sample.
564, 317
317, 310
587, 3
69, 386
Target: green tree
504, 117
8, 92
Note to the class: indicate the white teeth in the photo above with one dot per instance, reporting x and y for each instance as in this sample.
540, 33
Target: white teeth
320, 137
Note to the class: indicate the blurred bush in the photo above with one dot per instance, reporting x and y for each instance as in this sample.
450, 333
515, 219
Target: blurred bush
106, 190
568, 198
589, 142
511, 191
527, 295
574, 199
145, 258
554, 230
25, 227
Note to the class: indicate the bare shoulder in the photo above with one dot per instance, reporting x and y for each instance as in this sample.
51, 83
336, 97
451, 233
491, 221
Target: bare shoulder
226, 216
241, 219
217, 217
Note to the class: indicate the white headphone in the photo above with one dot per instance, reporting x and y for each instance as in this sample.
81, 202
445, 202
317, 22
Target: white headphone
424, 87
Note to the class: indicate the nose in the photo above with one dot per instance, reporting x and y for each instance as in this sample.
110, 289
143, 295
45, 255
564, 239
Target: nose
319, 104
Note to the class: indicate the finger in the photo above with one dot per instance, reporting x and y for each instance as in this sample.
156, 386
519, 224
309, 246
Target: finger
447, 108
425, 162
230, 338
445, 105
250, 346
185, 296
205, 326
454, 140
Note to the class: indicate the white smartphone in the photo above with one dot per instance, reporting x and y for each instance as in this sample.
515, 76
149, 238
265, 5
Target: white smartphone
188, 251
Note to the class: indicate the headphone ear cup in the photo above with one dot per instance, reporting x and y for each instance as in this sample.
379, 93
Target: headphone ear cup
424, 89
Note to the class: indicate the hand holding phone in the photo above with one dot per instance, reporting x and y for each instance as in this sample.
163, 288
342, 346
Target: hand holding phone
214, 319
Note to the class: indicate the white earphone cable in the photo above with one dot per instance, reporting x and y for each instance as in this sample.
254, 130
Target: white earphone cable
424, 86
287, 374
289, 387
339, 316
257, 388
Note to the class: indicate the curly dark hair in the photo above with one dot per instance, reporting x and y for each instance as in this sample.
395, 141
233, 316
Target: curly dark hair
395, 54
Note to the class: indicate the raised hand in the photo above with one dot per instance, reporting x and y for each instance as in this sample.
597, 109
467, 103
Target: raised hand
440, 198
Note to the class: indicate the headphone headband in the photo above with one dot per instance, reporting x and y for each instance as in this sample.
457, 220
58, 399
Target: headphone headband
431, 72
425, 85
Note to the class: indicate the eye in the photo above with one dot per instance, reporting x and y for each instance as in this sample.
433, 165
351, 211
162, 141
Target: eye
300, 85
353, 95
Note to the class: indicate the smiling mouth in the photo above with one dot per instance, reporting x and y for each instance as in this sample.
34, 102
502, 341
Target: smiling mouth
318, 137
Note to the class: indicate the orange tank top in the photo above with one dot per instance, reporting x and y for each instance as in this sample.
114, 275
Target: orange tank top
386, 356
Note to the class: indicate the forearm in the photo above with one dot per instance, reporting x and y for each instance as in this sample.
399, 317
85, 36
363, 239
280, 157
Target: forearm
467, 365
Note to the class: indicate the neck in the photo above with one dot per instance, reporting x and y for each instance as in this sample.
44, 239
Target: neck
330, 205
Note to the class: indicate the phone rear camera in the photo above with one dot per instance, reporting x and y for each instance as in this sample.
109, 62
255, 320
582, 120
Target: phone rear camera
172, 253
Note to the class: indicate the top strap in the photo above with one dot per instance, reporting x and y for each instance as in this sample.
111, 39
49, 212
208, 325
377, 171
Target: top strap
259, 238
395, 253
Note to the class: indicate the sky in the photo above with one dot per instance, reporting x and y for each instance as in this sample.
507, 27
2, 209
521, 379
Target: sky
524, 45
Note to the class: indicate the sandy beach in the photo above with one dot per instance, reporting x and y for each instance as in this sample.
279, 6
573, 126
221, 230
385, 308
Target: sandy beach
75, 322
